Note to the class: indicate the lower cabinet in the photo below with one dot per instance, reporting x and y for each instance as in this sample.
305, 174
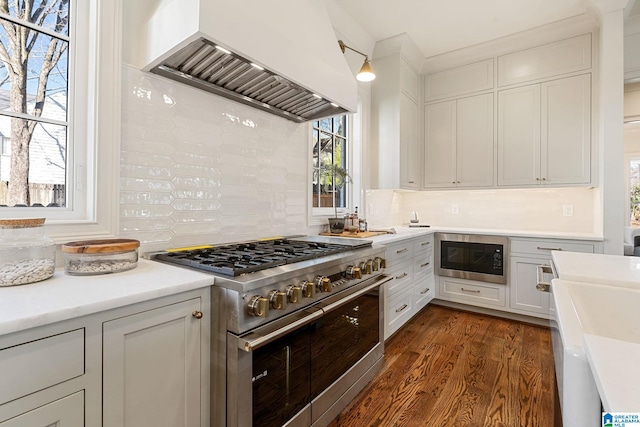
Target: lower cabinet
145, 364
520, 295
525, 257
410, 264
151, 368
65, 412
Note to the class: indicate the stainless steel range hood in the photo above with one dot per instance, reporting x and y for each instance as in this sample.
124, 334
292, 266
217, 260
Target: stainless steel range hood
280, 56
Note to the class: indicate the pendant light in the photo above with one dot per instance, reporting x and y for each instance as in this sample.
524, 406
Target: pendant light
366, 72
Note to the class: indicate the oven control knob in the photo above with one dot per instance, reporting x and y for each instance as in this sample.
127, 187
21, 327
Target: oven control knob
353, 272
278, 300
363, 267
294, 294
378, 263
324, 284
368, 267
258, 306
308, 289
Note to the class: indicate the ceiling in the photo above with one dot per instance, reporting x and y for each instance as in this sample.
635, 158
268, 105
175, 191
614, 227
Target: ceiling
439, 26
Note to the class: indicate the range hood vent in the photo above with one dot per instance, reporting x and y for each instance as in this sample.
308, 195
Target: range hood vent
217, 70
281, 56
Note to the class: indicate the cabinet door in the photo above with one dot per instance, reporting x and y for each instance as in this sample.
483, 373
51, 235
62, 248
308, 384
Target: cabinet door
66, 412
566, 133
409, 148
151, 368
519, 136
474, 141
524, 295
440, 145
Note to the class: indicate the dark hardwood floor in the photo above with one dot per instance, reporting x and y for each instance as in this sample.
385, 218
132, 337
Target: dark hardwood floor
455, 368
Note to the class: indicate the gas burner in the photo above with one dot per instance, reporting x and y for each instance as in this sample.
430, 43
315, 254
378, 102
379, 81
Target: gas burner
242, 258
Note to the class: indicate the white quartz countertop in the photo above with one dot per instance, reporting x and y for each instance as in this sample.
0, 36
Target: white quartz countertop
613, 270
64, 297
401, 233
616, 371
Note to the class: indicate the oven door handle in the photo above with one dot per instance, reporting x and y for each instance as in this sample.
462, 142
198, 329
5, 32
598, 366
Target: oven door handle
332, 305
255, 339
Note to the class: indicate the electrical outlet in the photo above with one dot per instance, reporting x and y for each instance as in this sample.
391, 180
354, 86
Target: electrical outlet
454, 209
567, 210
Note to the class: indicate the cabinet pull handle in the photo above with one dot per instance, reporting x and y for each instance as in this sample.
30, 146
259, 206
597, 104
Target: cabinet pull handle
425, 243
424, 265
398, 310
401, 251
542, 248
470, 290
412, 182
401, 276
425, 291
197, 314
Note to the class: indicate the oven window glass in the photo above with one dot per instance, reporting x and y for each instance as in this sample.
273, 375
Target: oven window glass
341, 338
281, 379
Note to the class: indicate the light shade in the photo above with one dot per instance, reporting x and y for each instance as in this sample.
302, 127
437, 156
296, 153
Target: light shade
366, 73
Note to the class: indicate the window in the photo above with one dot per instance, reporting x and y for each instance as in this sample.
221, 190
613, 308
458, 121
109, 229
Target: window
62, 108
330, 156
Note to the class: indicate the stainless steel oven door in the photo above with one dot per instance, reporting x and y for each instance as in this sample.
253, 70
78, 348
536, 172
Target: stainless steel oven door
274, 372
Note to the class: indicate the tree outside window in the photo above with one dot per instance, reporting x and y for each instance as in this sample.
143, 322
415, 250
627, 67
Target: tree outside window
330, 155
34, 46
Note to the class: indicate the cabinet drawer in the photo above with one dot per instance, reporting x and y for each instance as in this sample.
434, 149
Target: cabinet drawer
398, 310
402, 276
484, 294
423, 245
423, 292
544, 247
398, 251
423, 266
39, 364
66, 412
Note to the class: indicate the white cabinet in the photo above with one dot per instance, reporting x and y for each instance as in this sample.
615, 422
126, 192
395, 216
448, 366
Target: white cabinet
552, 59
151, 368
544, 133
394, 110
526, 256
423, 277
138, 365
65, 412
398, 292
459, 81
459, 143
481, 294
410, 264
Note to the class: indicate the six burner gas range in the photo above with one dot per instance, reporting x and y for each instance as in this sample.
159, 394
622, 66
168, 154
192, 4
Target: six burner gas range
298, 330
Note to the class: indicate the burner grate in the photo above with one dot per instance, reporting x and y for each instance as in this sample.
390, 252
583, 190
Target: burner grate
242, 258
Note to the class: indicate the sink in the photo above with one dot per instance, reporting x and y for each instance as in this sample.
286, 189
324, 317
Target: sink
608, 311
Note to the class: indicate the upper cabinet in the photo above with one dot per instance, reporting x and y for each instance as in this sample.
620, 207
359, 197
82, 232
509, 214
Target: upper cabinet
544, 133
459, 143
549, 60
395, 119
459, 81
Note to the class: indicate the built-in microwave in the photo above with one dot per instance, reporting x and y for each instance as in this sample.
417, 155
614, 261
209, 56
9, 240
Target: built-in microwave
471, 256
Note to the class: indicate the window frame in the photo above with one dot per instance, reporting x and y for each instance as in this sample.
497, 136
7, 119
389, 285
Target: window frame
318, 216
94, 117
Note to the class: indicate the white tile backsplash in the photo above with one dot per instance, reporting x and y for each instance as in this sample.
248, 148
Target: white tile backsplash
197, 168
503, 209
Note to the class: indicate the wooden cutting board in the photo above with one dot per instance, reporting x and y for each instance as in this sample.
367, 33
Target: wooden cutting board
359, 235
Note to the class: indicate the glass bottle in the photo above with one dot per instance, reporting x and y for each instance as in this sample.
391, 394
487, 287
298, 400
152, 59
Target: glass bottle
27, 255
